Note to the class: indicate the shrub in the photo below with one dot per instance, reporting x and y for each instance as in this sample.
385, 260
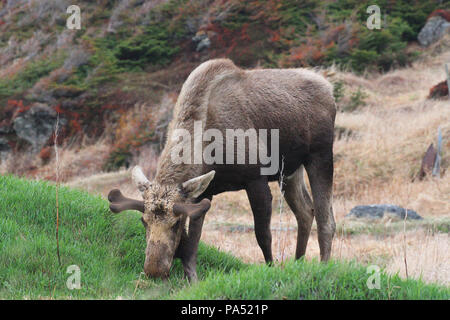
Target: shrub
356, 100
338, 90
29, 75
151, 47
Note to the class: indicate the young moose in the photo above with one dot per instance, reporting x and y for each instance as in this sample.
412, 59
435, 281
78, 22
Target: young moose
297, 102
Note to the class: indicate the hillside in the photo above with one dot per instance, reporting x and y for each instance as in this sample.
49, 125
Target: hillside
109, 252
117, 78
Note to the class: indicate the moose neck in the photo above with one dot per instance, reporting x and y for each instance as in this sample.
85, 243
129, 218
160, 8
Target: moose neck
190, 109
171, 173
173, 170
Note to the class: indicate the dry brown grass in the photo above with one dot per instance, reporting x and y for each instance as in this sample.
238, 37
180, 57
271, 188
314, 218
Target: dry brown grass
76, 162
228, 226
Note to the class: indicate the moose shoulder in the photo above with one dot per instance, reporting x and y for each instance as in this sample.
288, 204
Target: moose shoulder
236, 129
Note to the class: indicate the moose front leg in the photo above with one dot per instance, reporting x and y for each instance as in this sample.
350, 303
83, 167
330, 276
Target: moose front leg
187, 250
260, 198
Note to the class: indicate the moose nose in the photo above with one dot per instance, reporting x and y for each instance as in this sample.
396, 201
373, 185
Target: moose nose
155, 270
157, 260
156, 264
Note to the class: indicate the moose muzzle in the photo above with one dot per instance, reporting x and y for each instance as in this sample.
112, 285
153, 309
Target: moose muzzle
157, 263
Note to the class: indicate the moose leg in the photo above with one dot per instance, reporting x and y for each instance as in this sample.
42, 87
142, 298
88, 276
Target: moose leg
298, 199
260, 198
320, 174
187, 250
190, 263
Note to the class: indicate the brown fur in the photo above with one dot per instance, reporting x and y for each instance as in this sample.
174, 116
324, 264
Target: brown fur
300, 104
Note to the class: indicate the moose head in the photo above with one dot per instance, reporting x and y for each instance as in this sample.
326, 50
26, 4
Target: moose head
165, 209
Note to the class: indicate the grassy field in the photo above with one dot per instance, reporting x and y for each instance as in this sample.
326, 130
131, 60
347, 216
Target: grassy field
109, 251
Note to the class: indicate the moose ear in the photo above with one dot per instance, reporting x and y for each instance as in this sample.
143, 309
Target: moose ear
139, 179
196, 186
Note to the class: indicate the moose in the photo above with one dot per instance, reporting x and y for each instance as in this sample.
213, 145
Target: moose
299, 103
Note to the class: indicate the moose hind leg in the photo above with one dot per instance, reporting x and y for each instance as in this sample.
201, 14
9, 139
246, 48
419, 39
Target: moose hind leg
260, 198
298, 199
320, 174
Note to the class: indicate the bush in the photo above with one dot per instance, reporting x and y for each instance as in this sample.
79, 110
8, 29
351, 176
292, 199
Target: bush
152, 47
338, 90
356, 100
29, 75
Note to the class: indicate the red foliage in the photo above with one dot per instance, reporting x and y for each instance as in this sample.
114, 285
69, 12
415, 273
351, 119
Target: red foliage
45, 153
445, 14
59, 110
275, 36
312, 52
17, 106
61, 136
12, 109
75, 125
73, 117
439, 91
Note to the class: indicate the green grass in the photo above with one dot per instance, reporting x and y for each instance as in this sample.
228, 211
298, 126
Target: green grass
109, 251
307, 280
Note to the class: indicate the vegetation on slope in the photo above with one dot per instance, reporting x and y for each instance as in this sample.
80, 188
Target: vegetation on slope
109, 251
135, 52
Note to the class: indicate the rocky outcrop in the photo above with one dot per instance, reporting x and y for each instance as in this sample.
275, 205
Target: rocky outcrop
36, 125
434, 30
378, 211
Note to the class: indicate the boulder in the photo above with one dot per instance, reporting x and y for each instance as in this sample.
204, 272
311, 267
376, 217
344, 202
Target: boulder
378, 211
434, 29
36, 125
202, 41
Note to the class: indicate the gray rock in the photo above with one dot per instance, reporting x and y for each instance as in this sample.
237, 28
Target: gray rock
202, 41
434, 29
5, 149
378, 211
203, 44
36, 125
